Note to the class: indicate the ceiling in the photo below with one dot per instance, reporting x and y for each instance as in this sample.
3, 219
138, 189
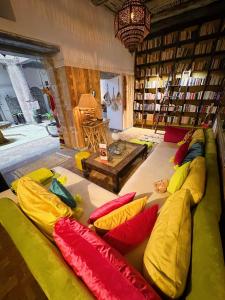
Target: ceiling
160, 9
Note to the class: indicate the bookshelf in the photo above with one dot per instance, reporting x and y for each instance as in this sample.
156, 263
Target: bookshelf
180, 74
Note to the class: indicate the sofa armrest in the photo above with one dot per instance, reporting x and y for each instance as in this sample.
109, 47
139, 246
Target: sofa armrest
43, 259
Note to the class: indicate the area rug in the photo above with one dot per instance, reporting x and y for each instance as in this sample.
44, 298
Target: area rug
142, 134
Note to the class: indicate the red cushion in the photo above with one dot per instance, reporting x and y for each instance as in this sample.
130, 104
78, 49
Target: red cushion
101, 267
181, 154
174, 134
110, 206
131, 233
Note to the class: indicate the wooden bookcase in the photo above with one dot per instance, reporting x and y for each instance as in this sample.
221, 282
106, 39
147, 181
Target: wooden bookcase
179, 75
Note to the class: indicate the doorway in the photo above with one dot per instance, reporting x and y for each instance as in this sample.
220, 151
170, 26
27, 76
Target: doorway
111, 99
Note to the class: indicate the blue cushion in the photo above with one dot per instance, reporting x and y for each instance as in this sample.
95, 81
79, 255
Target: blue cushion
196, 149
59, 190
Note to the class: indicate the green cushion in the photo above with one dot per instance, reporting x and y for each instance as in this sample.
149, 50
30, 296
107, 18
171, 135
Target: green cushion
59, 190
209, 135
207, 276
210, 148
137, 141
42, 257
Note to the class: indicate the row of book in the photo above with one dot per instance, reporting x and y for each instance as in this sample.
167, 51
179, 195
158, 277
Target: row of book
204, 47
151, 96
190, 108
168, 54
220, 46
170, 38
153, 57
209, 28
216, 79
188, 33
218, 63
185, 50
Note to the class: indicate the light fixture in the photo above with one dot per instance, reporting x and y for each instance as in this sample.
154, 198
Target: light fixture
132, 23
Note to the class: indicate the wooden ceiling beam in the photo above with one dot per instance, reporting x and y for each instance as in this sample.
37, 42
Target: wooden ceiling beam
99, 2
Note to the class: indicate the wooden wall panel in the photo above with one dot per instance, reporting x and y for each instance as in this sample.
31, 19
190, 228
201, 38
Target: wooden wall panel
70, 83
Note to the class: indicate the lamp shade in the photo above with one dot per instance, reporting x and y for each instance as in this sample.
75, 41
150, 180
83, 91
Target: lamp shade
89, 101
132, 23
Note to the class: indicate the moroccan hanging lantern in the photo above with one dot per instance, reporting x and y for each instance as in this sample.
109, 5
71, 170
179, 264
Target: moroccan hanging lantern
132, 23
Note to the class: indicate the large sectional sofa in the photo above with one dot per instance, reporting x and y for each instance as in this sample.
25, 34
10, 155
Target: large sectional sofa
206, 280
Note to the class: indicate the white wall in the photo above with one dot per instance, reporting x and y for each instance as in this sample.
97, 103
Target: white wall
115, 117
84, 32
5, 89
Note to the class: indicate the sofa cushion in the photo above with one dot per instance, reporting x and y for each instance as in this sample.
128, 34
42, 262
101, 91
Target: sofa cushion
131, 233
178, 178
120, 215
197, 149
110, 206
102, 268
174, 134
167, 255
40, 205
59, 190
41, 256
198, 136
41, 175
195, 181
181, 154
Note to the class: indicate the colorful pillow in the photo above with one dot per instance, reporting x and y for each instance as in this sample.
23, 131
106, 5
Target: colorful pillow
187, 138
198, 136
195, 150
59, 190
174, 134
178, 178
168, 252
102, 268
41, 206
131, 233
196, 179
110, 206
120, 215
41, 175
180, 154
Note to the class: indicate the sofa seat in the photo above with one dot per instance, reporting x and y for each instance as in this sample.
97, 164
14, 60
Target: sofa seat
92, 195
156, 167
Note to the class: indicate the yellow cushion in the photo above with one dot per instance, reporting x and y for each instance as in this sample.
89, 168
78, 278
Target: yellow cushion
178, 178
41, 175
195, 180
121, 214
167, 255
78, 158
41, 206
198, 136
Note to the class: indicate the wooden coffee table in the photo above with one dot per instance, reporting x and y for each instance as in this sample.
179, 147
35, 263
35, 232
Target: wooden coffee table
116, 168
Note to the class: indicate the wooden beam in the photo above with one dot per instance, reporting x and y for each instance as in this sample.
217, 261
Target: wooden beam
98, 2
14, 43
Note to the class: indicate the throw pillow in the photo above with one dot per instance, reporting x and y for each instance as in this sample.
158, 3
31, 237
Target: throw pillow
196, 178
131, 233
59, 190
198, 136
110, 206
178, 178
181, 153
40, 205
168, 252
103, 269
187, 137
174, 134
41, 175
195, 150
120, 215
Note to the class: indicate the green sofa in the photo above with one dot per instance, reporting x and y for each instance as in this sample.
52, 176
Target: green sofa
207, 273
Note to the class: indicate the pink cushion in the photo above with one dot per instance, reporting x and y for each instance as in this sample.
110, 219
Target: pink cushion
174, 134
110, 206
130, 234
101, 267
181, 154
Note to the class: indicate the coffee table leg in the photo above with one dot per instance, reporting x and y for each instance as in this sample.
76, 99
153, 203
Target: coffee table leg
86, 172
116, 184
